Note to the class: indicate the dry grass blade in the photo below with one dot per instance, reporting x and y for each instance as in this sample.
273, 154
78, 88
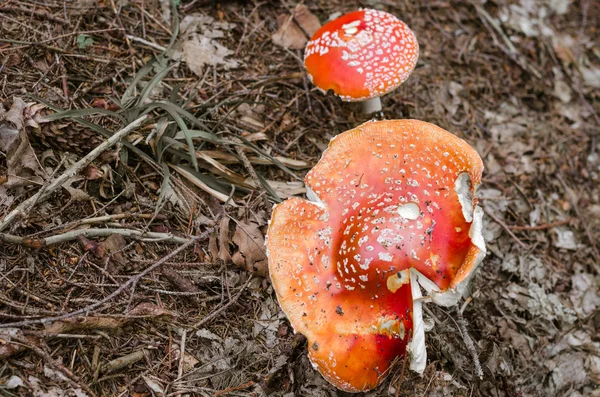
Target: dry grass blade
200, 181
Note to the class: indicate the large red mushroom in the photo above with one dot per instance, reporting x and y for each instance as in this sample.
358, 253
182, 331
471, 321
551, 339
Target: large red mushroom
392, 210
361, 56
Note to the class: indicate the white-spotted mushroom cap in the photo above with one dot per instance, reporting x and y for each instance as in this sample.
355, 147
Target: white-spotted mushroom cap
393, 208
361, 55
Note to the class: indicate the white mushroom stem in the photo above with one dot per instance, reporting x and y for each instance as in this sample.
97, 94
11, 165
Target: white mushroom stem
416, 346
372, 105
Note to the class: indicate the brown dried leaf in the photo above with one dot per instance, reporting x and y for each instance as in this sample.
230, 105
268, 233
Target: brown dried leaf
91, 246
224, 240
250, 241
84, 324
7, 348
149, 309
76, 194
213, 246
306, 20
91, 172
113, 245
289, 35
201, 50
22, 163
15, 114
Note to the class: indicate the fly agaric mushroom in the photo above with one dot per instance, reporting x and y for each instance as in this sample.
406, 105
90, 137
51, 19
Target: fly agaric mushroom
361, 56
392, 210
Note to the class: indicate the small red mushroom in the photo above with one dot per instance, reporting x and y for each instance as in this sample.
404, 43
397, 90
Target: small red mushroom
393, 210
361, 56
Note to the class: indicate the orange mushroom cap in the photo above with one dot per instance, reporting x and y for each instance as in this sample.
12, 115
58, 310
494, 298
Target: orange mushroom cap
394, 205
361, 55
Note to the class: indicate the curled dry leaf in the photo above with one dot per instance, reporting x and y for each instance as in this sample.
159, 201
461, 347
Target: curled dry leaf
224, 240
84, 324
306, 20
149, 309
295, 30
91, 246
251, 252
75, 193
289, 35
23, 167
91, 172
114, 245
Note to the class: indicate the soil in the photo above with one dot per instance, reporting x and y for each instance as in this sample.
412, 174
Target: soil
87, 307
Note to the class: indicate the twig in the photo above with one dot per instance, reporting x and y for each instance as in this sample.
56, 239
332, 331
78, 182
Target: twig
182, 283
146, 42
542, 226
129, 283
181, 354
462, 325
221, 309
124, 361
510, 233
37, 13
401, 374
511, 50
70, 377
235, 388
96, 83
45, 192
252, 172
89, 233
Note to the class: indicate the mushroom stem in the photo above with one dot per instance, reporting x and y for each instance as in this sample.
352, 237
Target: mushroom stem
416, 346
371, 105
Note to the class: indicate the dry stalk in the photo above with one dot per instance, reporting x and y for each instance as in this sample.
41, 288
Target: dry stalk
89, 233
462, 325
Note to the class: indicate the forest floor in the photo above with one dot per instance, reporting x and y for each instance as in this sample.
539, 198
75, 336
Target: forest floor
87, 306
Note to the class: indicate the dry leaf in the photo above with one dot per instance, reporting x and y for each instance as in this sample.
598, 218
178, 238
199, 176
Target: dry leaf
23, 166
306, 20
84, 324
113, 245
251, 255
224, 240
289, 35
149, 309
91, 246
76, 194
201, 50
198, 47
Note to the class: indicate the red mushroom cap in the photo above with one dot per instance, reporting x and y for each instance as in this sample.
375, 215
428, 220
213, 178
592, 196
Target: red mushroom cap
393, 198
361, 55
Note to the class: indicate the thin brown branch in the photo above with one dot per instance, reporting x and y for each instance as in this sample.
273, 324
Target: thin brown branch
542, 226
505, 227
90, 233
222, 308
70, 377
37, 13
130, 283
